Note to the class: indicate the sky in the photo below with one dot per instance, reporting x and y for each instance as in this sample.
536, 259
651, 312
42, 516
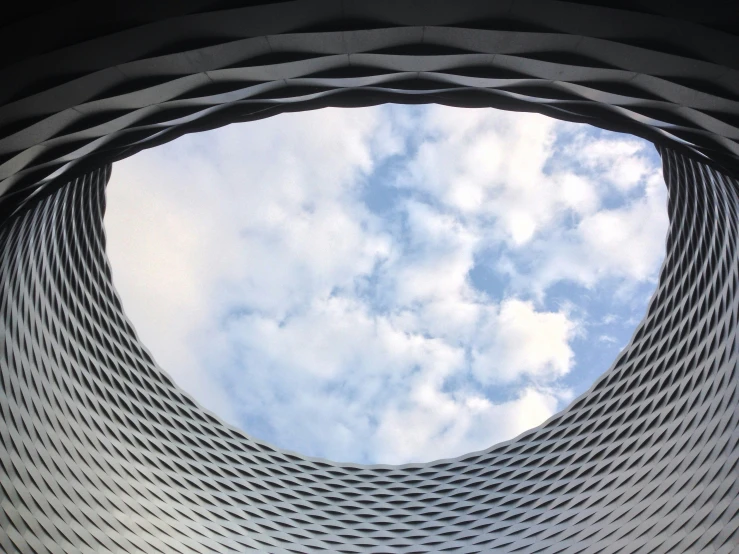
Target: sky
391, 284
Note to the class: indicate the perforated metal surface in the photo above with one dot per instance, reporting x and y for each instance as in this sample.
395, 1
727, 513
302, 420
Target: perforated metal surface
101, 452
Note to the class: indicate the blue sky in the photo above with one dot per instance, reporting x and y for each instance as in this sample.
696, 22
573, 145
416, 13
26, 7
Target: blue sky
388, 284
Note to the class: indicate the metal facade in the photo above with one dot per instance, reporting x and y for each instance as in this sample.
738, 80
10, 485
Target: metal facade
101, 452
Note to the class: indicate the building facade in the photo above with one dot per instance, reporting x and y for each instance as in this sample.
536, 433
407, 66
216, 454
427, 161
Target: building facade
102, 452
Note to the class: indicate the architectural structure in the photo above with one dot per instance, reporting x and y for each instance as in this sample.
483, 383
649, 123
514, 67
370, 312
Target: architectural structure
101, 452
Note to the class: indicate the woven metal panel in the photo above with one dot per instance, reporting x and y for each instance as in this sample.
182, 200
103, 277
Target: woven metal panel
86, 84
101, 452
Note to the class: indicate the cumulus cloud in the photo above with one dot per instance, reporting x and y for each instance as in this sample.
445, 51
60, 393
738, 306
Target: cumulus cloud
550, 202
253, 267
621, 163
236, 217
489, 166
626, 242
523, 341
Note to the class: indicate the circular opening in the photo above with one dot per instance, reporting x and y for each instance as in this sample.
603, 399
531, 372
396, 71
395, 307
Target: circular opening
388, 284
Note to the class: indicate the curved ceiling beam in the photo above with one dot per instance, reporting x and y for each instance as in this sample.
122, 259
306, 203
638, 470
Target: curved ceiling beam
86, 85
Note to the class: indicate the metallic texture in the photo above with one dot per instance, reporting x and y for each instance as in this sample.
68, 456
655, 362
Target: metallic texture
101, 452
86, 85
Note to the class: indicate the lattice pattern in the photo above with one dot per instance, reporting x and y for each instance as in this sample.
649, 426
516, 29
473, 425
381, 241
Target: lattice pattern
73, 100
101, 452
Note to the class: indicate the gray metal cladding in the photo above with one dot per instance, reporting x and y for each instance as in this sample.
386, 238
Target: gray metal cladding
101, 452
93, 82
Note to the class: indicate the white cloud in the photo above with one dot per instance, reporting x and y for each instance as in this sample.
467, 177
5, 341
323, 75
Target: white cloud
490, 165
263, 284
626, 242
498, 173
620, 161
433, 426
523, 341
234, 214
